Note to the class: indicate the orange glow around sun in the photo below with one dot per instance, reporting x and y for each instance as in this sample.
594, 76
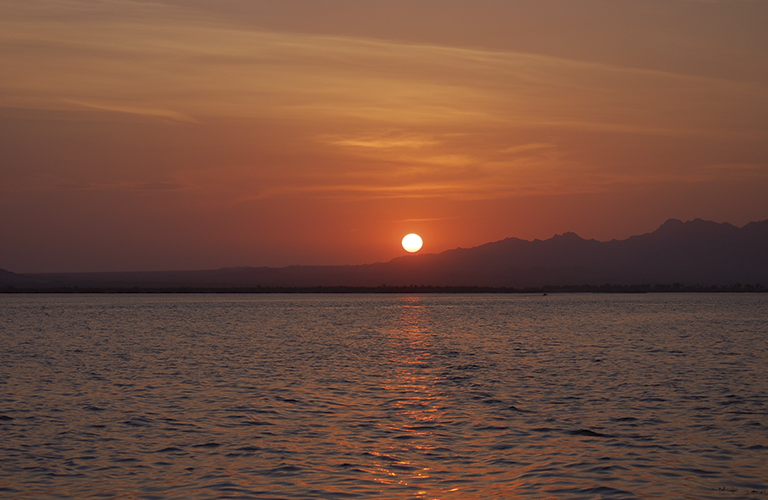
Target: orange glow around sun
412, 243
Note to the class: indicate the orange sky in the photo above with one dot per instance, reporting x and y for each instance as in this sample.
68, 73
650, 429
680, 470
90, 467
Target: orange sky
195, 134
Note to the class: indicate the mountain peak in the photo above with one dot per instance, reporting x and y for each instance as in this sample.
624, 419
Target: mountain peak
676, 227
568, 236
672, 224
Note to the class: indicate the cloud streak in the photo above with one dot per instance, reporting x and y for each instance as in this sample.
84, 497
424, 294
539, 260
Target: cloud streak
198, 70
159, 113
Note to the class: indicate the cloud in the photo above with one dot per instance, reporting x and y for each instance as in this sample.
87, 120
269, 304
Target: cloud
159, 186
149, 60
736, 170
360, 116
382, 140
526, 148
159, 113
431, 219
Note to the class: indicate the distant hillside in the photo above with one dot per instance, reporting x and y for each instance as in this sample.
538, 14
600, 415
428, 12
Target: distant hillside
695, 252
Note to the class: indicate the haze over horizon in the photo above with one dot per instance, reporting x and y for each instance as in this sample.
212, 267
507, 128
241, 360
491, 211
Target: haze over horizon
168, 135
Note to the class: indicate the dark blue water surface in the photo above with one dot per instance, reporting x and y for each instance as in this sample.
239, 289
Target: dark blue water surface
384, 396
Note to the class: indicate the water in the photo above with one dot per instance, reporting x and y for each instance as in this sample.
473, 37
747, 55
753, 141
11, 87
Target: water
384, 396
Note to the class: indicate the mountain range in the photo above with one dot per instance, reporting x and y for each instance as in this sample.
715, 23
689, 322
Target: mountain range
696, 252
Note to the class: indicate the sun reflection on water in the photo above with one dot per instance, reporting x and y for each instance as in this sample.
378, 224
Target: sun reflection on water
416, 404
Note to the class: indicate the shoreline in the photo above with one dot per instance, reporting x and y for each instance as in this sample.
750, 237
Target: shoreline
383, 289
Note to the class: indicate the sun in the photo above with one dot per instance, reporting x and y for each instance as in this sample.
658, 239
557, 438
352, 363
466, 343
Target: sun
412, 243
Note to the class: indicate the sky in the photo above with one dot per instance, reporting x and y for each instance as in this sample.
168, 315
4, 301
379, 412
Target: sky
199, 134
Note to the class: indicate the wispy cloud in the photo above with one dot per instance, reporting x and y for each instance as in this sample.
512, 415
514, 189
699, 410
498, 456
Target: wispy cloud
159, 186
183, 68
527, 148
159, 113
381, 140
431, 219
377, 117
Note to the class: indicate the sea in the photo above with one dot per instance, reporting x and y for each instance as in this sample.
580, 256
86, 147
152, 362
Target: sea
384, 396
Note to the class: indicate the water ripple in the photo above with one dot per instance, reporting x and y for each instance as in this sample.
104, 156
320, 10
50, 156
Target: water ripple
466, 397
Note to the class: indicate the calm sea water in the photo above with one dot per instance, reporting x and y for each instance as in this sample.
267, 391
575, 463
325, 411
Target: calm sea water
384, 396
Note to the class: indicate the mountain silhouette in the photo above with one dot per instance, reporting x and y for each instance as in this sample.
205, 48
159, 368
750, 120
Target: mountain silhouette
696, 252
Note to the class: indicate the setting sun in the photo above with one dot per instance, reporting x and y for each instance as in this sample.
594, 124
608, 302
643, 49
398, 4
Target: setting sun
412, 243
